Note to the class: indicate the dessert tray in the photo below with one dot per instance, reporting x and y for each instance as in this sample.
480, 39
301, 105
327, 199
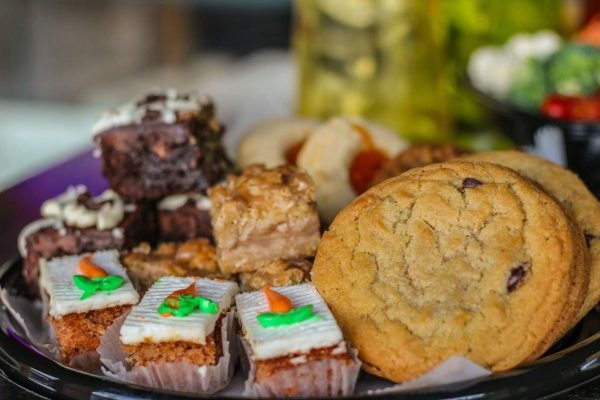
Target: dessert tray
572, 363
325, 259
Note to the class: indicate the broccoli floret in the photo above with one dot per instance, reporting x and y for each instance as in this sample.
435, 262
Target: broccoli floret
574, 70
528, 88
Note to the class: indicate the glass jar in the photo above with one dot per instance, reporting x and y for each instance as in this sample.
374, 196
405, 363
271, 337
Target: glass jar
380, 59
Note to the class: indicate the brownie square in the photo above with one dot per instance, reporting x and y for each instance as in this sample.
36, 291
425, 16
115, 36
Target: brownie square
262, 216
184, 217
162, 144
61, 233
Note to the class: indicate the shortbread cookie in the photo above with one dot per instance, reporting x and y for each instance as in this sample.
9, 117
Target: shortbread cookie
572, 193
458, 258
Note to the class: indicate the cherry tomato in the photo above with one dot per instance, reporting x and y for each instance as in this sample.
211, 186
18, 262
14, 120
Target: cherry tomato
556, 106
585, 109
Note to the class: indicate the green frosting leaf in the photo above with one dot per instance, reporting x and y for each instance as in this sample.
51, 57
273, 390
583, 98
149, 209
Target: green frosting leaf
93, 285
186, 304
294, 316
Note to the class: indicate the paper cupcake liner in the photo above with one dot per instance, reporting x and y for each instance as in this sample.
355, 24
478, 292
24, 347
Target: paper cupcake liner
31, 317
88, 361
179, 376
322, 378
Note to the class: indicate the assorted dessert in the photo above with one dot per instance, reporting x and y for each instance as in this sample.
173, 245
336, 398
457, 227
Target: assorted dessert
181, 330
188, 260
360, 150
75, 222
84, 295
292, 342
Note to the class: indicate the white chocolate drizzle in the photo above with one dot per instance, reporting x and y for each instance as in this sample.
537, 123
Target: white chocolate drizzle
169, 105
66, 208
176, 201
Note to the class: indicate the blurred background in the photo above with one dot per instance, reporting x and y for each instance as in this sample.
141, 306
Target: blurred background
400, 62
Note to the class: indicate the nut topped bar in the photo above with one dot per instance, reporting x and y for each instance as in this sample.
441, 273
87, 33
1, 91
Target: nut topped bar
75, 222
196, 257
262, 216
160, 144
86, 293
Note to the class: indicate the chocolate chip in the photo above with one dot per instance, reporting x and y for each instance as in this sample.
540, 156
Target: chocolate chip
516, 276
588, 239
286, 178
469, 183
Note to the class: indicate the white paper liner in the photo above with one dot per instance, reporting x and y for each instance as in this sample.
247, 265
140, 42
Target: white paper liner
453, 370
31, 316
322, 378
179, 376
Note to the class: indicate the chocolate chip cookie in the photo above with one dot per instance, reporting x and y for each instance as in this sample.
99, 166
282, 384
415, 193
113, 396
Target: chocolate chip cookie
458, 258
572, 193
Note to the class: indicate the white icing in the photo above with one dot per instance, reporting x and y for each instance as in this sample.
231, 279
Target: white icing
53, 208
176, 201
144, 323
56, 278
65, 207
132, 113
267, 343
33, 228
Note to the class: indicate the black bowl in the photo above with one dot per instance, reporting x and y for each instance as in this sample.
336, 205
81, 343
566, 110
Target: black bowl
581, 139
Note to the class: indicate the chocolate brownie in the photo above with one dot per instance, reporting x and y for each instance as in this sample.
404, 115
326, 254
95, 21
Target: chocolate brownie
184, 217
161, 144
76, 222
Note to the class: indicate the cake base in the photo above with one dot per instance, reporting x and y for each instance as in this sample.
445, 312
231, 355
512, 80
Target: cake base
77, 334
321, 372
179, 376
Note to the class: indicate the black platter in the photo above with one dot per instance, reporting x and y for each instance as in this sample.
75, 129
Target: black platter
571, 363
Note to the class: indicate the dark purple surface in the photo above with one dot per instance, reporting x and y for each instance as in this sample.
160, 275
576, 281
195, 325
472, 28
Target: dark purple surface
21, 203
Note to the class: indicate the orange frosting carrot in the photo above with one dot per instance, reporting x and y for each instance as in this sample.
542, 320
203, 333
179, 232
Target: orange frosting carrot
277, 301
191, 290
89, 269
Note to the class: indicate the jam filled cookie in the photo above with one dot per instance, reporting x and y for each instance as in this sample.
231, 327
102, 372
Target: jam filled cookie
458, 258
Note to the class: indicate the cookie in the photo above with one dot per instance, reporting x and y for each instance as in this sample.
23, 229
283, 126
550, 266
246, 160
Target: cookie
458, 258
418, 155
572, 193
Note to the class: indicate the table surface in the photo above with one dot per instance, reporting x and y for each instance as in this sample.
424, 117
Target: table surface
27, 196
